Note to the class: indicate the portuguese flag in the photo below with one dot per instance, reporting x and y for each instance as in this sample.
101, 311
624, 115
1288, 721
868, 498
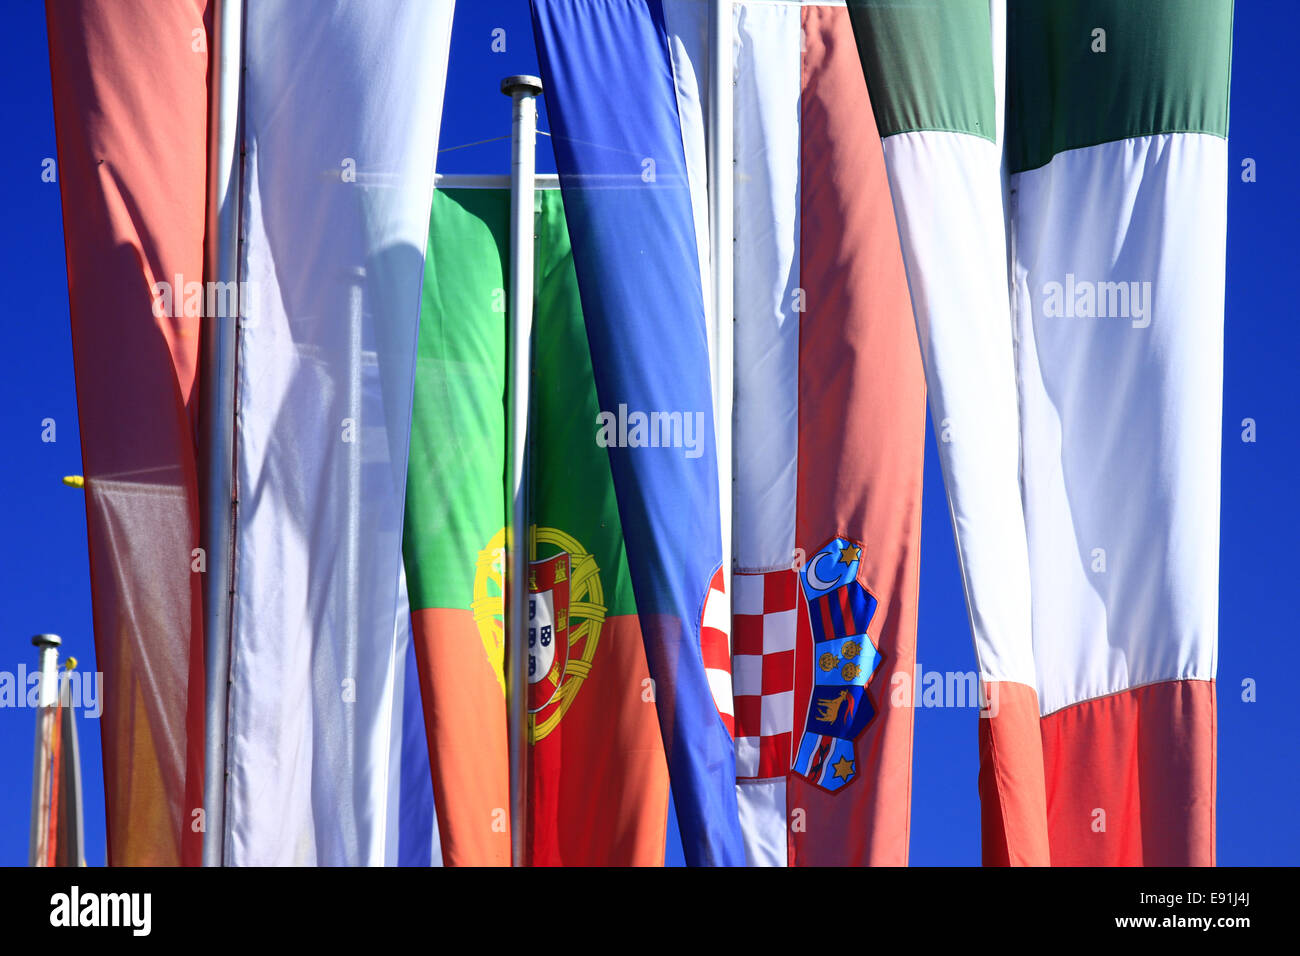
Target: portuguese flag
598, 775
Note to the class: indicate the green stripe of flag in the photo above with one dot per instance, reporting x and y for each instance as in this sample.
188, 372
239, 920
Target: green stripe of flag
455, 488
456, 495
1165, 69
928, 64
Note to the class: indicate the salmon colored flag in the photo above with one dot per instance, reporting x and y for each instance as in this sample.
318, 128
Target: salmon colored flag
130, 83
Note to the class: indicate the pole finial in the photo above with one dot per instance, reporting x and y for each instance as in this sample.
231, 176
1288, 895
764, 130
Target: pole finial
522, 83
47, 640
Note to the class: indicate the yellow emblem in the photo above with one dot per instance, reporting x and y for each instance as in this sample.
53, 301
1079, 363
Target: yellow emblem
851, 649
843, 768
584, 617
850, 672
489, 604
829, 710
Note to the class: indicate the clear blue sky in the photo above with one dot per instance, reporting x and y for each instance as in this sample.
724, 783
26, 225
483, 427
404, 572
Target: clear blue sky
43, 564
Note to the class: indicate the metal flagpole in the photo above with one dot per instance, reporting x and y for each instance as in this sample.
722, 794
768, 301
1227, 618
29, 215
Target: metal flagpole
523, 90
46, 727
220, 342
721, 255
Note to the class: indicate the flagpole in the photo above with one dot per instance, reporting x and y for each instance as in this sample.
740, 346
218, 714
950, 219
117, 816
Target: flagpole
721, 151
42, 772
523, 91
217, 441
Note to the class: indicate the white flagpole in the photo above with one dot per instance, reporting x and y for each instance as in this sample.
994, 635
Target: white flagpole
721, 154
46, 727
220, 342
523, 90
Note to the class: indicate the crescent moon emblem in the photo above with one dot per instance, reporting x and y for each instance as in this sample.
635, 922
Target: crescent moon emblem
816, 579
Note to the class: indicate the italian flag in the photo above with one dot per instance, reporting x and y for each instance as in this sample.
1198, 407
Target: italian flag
1059, 177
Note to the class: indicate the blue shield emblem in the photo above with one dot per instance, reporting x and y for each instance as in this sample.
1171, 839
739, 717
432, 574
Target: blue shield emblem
843, 660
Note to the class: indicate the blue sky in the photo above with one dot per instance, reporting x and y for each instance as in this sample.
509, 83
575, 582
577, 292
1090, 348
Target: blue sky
43, 564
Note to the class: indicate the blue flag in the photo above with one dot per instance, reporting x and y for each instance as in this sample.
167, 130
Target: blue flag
612, 103
417, 839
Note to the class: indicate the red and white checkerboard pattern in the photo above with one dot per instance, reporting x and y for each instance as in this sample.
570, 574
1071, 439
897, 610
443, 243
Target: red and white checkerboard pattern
764, 622
715, 645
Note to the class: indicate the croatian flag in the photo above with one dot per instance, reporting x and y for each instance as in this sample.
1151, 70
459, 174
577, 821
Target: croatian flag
621, 150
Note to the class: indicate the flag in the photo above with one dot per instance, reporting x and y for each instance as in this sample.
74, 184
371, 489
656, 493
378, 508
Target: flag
414, 840
57, 834
829, 433
611, 87
131, 110
69, 835
1078, 398
336, 190
454, 539
1119, 229
942, 147
591, 704
591, 711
